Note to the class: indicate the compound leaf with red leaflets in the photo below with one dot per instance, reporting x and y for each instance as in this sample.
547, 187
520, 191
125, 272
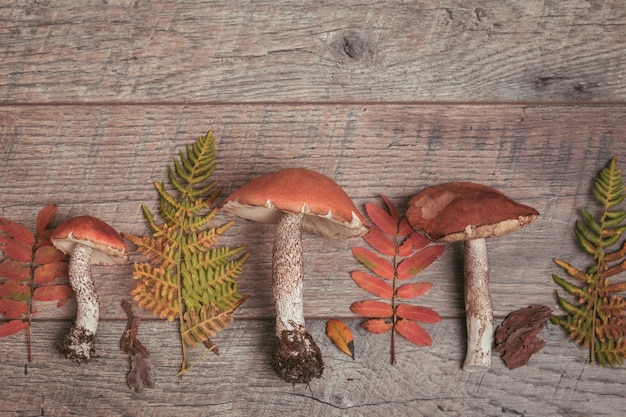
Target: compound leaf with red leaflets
30, 260
410, 253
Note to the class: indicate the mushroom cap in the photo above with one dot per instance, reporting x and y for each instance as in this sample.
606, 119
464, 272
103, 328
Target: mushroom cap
328, 210
107, 245
463, 211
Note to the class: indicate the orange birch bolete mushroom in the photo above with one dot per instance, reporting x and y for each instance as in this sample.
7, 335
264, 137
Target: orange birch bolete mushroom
468, 212
87, 241
295, 199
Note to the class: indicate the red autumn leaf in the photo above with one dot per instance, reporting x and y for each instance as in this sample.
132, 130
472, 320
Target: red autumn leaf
47, 254
372, 284
14, 270
45, 216
413, 332
419, 261
43, 239
13, 309
15, 249
12, 327
413, 290
382, 219
341, 336
415, 241
12, 290
380, 241
377, 325
58, 293
49, 272
373, 309
391, 208
17, 231
375, 263
404, 229
422, 314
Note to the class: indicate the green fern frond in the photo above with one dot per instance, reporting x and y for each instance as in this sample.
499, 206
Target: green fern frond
186, 277
597, 319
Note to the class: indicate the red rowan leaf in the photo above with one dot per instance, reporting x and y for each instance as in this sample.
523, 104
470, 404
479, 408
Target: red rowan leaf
391, 208
13, 309
419, 313
45, 216
404, 229
377, 325
17, 231
416, 241
413, 290
341, 336
14, 270
380, 241
373, 262
47, 254
49, 272
43, 239
415, 264
373, 309
59, 293
414, 332
15, 249
372, 284
382, 219
14, 291
12, 327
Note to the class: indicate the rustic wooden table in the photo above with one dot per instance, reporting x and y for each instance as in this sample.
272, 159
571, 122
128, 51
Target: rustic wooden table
384, 97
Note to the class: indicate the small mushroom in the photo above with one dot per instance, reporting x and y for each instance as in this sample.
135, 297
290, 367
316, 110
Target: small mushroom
295, 199
87, 241
468, 212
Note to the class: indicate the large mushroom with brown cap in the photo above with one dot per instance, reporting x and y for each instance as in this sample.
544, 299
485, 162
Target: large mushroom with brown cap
468, 212
295, 199
87, 241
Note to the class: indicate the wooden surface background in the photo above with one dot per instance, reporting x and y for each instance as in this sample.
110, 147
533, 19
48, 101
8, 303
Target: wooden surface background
384, 97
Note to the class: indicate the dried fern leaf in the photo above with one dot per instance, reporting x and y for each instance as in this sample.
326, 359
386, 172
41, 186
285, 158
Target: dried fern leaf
595, 317
186, 277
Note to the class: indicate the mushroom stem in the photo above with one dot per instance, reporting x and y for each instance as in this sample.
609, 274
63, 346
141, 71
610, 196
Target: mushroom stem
297, 359
79, 342
478, 308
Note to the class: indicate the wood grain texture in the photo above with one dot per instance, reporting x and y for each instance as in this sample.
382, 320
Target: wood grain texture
386, 97
208, 51
426, 381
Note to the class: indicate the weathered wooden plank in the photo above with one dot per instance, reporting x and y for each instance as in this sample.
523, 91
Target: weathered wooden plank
192, 51
102, 160
426, 381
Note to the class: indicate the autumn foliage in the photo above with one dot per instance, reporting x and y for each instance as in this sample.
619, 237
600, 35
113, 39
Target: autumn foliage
31, 270
399, 255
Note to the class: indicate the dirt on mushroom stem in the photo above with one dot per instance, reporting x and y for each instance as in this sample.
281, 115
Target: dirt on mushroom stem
78, 343
297, 358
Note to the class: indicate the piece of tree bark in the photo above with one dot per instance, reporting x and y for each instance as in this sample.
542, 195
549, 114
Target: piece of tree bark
517, 336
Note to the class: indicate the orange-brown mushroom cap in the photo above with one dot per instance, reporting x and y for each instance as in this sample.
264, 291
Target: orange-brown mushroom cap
328, 210
463, 210
108, 246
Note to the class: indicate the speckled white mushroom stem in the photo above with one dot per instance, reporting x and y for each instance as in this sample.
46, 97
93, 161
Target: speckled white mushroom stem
88, 309
287, 273
478, 308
